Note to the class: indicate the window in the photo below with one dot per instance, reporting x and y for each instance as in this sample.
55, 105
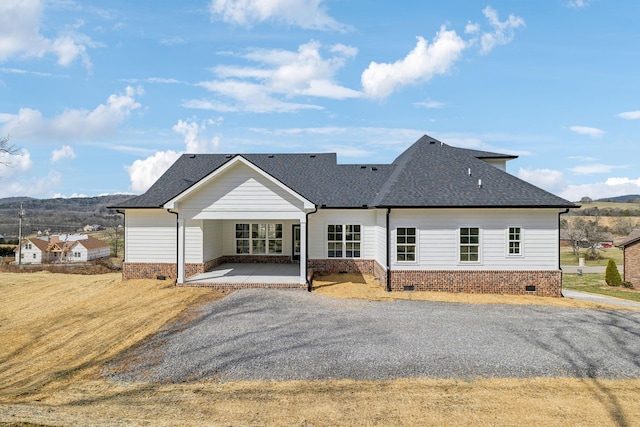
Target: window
344, 240
76, 254
242, 239
34, 256
259, 239
334, 241
469, 244
28, 246
405, 244
515, 240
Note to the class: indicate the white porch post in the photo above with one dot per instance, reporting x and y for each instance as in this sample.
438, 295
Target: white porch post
303, 250
181, 235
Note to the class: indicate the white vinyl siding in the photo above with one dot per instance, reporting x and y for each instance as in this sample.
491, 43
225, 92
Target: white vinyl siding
438, 238
365, 218
212, 244
150, 236
239, 189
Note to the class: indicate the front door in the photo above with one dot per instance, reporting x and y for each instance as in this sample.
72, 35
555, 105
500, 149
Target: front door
296, 242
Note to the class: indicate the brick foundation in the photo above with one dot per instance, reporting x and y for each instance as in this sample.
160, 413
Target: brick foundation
547, 283
327, 266
236, 286
145, 270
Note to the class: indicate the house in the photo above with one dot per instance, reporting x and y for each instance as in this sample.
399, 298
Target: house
437, 218
63, 248
631, 256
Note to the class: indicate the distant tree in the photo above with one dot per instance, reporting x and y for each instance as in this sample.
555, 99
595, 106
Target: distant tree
612, 275
623, 226
7, 150
586, 199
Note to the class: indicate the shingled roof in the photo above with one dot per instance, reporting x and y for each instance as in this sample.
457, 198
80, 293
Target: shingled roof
427, 174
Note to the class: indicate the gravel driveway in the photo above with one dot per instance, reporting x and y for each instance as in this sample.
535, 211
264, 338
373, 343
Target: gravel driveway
290, 334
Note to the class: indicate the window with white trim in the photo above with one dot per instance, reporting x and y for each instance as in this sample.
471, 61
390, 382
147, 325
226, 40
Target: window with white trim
406, 244
28, 246
469, 244
344, 240
259, 239
515, 241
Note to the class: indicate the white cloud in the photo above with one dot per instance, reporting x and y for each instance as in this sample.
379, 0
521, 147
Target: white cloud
426, 60
194, 142
20, 35
548, 179
279, 73
143, 173
307, 14
429, 104
65, 152
503, 32
72, 124
28, 185
593, 168
585, 130
630, 115
14, 164
577, 4
612, 187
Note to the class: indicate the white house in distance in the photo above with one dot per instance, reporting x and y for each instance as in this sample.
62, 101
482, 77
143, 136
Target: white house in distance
63, 248
436, 218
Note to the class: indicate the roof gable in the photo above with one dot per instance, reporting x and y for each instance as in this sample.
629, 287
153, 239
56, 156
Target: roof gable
224, 170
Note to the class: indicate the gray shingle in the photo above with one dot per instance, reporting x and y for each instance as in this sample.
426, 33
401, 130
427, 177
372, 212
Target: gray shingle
427, 174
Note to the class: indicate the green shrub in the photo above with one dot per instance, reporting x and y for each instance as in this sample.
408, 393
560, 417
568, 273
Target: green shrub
627, 284
612, 275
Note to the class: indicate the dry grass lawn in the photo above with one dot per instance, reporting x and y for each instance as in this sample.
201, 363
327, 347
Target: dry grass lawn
357, 286
56, 331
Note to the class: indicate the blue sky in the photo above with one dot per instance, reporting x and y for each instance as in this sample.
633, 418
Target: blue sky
103, 96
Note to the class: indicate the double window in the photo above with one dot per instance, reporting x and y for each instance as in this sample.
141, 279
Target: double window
259, 239
406, 244
343, 240
469, 244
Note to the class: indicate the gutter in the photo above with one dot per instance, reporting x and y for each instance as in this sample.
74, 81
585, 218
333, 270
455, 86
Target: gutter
306, 250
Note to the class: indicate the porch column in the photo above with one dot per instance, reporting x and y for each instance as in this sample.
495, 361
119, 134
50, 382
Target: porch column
303, 250
181, 233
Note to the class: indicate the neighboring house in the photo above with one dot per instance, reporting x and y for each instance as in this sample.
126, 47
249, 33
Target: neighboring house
63, 248
631, 253
437, 218
33, 251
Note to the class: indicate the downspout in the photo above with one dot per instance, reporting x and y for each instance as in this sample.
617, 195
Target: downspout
559, 263
177, 241
124, 223
306, 249
388, 252
560, 213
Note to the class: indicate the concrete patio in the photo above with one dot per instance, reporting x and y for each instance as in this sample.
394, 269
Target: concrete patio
237, 275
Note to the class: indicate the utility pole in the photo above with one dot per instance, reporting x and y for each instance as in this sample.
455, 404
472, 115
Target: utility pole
20, 215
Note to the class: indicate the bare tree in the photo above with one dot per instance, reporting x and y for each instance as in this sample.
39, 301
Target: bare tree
7, 150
